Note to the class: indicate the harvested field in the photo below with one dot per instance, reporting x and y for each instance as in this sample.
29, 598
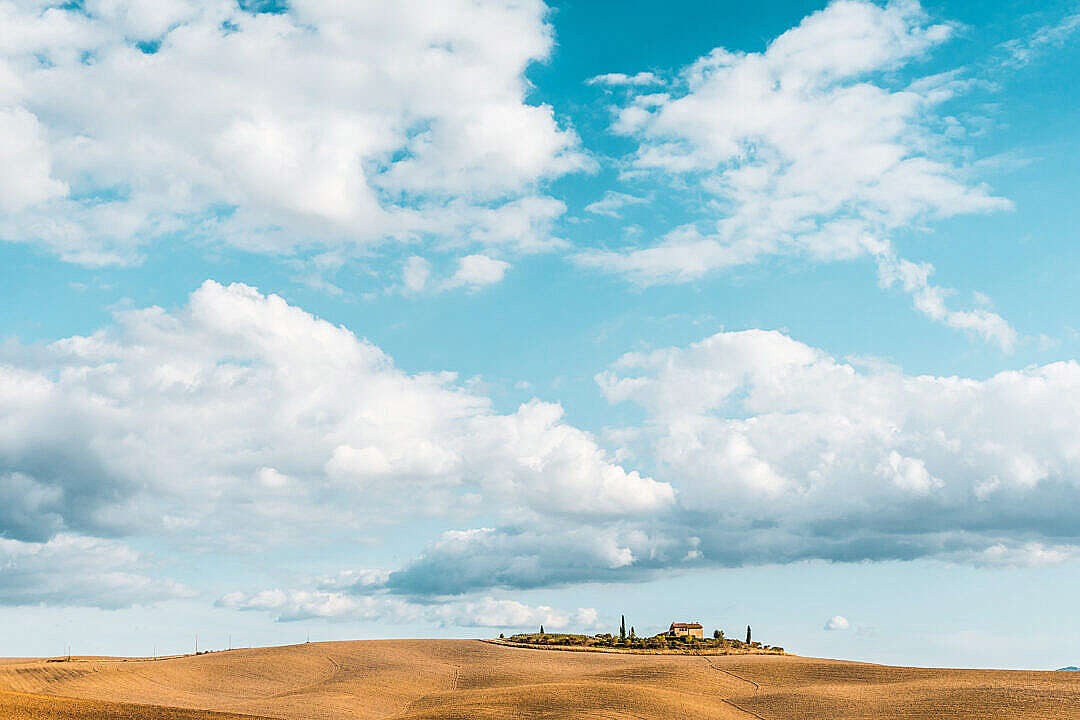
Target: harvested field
18, 706
470, 679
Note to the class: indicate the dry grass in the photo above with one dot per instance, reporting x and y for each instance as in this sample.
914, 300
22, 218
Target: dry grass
469, 679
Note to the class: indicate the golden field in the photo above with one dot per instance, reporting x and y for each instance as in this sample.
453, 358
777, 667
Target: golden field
473, 679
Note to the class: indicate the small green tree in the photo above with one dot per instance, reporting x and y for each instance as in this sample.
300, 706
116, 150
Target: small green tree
622, 629
718, 634
501, 636
632, 635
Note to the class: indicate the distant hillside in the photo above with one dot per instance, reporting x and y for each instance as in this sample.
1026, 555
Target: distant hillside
468, 679
1070, 668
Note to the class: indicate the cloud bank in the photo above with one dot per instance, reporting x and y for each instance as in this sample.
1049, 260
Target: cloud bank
239, 421
781, 453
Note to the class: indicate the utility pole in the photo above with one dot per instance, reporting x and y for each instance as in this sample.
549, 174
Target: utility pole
230, 641
196, 643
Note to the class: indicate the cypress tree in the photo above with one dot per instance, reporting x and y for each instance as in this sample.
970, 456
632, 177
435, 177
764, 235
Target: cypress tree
542, 631
632, 635
747, 634
622, 629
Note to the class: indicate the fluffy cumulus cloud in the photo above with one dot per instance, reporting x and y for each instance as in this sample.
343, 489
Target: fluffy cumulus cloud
123, 122
476, 271
838, 622
240, 417
807, 148
27, 177
793, 453
780, 453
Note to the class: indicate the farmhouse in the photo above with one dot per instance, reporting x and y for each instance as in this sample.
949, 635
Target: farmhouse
686, 629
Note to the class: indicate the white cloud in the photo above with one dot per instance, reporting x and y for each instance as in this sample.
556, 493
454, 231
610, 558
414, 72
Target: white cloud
837, 622
780, 453
477, 271
612, 203
482, 612
416, 273
26, 178
240, 416
129, 120
73, 570
930, 301
907, 473
1022, 554
834, 461
367, 577
240, 420
143, 19
621, 79
1024, 51
806, 149
271, 478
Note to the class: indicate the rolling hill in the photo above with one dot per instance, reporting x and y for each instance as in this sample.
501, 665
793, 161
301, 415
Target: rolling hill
414, 679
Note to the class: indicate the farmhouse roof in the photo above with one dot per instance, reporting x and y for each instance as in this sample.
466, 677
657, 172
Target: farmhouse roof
686, 626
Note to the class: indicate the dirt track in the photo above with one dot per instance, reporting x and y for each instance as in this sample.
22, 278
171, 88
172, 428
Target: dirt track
469, 679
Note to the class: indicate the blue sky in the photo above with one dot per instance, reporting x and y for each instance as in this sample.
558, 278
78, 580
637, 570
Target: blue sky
362, 323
